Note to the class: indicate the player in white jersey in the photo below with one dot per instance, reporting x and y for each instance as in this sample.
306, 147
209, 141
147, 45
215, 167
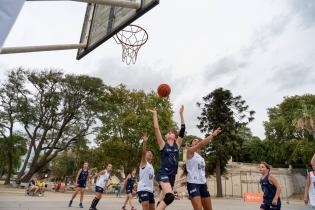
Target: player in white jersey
145, 185
196, 178
101, 185
309, 195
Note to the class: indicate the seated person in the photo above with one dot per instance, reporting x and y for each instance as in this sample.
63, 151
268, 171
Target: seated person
31, 189
41, 186
57, 185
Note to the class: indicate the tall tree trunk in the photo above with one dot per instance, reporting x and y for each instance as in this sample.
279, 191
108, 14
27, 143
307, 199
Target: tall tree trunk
21, 172
10, 168
28, 176
218, 177
38, 165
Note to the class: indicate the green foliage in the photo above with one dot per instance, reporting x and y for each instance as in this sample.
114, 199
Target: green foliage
281, 126
13, 148
68, 162
124, 119
221, 109
51, 109
289, 132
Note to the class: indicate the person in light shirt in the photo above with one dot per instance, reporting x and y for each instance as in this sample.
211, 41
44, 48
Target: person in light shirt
196, 177
146, 174
309, 195
101, 184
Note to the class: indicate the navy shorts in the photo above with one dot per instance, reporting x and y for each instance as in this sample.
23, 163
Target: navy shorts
164, 177
146, 196
129, 190
99, 189
81, 184
198, 190
267, 205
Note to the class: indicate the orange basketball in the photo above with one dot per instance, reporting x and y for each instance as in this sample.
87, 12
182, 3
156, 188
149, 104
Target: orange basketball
164, 90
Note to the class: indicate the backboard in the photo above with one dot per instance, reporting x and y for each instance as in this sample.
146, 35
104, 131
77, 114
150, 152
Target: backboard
102, 22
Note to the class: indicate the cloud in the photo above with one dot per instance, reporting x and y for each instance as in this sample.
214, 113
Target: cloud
293, 76
223, 66
305, 9
264, 36
113, 72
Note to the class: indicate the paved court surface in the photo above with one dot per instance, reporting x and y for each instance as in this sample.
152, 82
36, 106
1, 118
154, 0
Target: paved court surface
13, 199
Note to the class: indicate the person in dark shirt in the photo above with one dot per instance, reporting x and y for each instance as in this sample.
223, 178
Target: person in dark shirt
271, 188
82, 178
169, 155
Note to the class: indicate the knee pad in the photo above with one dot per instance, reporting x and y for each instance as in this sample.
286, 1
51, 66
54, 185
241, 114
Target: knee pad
169, 198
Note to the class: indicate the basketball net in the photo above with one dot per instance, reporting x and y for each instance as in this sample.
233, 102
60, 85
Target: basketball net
131, 39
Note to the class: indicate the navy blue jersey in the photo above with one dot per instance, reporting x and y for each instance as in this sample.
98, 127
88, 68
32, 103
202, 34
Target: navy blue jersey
268, 188
169, 159
83, 175
131, 182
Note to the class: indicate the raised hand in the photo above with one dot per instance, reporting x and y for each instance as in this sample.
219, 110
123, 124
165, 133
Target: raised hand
181, 109
145, 137
217, 131
153, 111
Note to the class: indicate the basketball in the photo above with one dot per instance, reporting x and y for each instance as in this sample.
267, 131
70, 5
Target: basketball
164, 90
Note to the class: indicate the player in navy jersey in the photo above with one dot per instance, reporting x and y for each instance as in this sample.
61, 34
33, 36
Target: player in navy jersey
129, 184
169, 158
82, 178
271, 188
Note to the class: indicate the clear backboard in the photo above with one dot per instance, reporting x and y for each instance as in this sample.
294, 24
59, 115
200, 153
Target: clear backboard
102, 22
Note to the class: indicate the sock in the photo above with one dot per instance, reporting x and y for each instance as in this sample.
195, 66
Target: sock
94, 203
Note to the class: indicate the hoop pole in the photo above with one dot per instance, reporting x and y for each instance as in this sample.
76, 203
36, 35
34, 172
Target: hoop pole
117, 3
12, 50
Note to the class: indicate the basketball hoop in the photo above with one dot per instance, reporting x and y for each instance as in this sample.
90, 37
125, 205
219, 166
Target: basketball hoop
131, 39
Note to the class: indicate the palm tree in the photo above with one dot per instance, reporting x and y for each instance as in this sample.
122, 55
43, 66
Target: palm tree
305, 119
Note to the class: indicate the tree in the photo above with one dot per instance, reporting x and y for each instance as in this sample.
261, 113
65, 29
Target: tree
124, 119
68, 162
221, 109
54, 111
290, 129
12, 149
11, 96
287, 116
305, 116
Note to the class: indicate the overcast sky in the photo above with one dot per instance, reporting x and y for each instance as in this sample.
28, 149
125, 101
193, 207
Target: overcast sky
262, 50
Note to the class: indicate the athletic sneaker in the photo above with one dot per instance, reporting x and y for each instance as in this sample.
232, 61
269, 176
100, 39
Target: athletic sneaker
123, 208
70, 203
93, 209
132, 208
80, 205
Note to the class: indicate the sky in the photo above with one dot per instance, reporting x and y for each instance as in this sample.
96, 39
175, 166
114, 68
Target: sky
262, 50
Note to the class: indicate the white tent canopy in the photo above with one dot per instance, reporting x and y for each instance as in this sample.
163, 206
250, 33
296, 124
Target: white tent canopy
9, 10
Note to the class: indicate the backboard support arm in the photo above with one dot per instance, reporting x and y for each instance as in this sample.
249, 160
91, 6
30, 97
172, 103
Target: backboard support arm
12, 50
116, 3
39, 48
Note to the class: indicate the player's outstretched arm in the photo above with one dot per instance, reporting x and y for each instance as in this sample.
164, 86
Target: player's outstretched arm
144, 150
157, 131
203, 143
181, 133
313, 160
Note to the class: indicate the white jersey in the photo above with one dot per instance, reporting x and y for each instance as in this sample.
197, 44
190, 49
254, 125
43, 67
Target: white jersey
311, 192
146, 178
103, 179
196, 170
